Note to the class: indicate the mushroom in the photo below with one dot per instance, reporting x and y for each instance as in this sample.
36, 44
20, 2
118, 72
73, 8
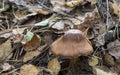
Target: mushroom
72, 44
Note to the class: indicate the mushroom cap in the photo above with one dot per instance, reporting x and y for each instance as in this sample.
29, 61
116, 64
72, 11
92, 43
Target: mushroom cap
72, 44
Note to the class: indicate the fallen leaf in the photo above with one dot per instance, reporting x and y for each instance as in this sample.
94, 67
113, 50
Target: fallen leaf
18, 31
43, 23
5, 7
20, 14
58, 25
115, 8
114, 48
102, 72
32, 44
93, 61
18, 35
29, 55
6, 67
77, 21
29, 35
29, 69
73, 3
59, 6
54, 66
6, 35
116, 68
109, 59
43, 12
100, 40
5, 49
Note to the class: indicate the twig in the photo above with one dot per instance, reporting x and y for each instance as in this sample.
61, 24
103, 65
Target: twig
59, 13
108, 49
107, 19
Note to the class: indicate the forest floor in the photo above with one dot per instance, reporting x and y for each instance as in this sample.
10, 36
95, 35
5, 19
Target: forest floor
32, 32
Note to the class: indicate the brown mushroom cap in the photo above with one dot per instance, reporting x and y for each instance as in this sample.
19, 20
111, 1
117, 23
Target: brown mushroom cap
72, 44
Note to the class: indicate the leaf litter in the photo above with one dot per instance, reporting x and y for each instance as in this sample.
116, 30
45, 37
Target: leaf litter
28, 28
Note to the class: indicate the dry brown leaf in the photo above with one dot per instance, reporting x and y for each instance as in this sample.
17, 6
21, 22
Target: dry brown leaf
116, 68
76, 21
30, 55
114, 48
29, 69
73, 3
5, 49
102, 72
21, 13
54, 66
109, 59
43, 12
18, 35
115, 8
100, 40
32, 44
59, 6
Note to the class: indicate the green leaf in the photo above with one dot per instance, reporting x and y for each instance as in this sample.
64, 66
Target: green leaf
43, 23
29, 36
5, 7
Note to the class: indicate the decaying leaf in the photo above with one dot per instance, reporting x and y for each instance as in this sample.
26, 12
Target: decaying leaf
102, 72
32, 44
20, 14
59, 6
109, 59
6, 67
18, 35
116, 68
54, 66
5, 49
78, 20
30, 55
74, 3
58, 25
100, 40
18, 31
114, 48
93, 61
29, 69
115, 8
43, 12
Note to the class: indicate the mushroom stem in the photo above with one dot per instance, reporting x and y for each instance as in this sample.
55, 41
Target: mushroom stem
72, 65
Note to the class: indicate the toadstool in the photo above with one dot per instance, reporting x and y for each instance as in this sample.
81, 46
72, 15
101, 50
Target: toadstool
72, 44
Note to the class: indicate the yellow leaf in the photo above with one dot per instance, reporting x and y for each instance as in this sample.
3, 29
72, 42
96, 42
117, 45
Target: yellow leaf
93, 61
5, 49
54, 66
115, 8
29, 69
30, 55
